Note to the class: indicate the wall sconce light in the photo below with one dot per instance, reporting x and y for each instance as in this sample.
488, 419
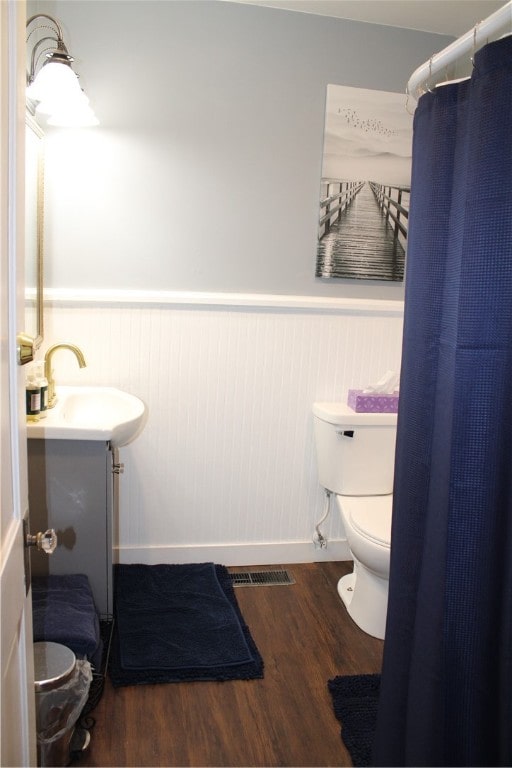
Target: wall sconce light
53, 84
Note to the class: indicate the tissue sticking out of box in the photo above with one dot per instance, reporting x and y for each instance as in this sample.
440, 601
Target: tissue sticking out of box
381, 397
386, 385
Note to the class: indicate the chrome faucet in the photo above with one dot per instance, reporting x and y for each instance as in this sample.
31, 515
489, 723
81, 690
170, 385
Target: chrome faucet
48, 372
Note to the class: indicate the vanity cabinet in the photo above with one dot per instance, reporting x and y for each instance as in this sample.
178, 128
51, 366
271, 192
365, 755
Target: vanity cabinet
70, 490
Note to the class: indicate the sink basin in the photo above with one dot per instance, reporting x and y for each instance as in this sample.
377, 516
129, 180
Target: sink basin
92, 413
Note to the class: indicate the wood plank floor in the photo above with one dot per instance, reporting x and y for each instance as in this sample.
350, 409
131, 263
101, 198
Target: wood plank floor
286, 719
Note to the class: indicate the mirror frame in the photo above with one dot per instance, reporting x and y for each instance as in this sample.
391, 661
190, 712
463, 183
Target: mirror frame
38, 211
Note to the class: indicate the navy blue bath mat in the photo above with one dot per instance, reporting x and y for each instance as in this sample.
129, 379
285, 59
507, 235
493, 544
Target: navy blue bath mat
355, 699
179, 622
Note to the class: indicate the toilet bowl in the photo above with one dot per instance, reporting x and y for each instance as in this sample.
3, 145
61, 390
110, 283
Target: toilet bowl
355, 459
364, 592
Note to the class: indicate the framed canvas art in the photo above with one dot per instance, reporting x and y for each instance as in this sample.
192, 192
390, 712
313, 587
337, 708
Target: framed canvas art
365, 185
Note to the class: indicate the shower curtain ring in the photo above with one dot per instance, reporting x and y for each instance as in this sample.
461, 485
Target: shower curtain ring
475, 30
427, 84
407, 102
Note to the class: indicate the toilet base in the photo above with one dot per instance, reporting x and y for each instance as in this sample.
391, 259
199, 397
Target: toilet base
365, 597
346, 588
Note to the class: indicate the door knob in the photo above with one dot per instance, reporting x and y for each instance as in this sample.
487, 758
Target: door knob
24, 348
45, 542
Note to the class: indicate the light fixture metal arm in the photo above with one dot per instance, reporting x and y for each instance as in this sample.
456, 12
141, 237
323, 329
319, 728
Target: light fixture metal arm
50, 18
61, 48
57, 40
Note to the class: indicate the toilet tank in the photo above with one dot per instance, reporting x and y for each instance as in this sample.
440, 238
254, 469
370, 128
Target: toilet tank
355, 451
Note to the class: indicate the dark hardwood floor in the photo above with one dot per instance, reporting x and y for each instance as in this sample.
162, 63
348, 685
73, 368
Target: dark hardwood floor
286, 719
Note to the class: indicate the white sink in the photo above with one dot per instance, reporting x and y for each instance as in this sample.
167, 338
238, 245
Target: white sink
92, 413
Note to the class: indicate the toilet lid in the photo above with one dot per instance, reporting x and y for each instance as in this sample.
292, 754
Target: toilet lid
371, 516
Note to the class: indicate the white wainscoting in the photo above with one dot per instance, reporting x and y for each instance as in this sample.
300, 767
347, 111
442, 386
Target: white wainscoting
225, 468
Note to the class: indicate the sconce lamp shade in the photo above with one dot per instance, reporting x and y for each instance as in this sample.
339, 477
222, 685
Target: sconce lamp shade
55, 87
73, 116
55, 83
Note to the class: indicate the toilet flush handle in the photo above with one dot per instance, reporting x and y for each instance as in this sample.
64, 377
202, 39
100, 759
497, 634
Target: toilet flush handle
346, 432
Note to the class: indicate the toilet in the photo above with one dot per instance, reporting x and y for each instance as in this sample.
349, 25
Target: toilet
355, 458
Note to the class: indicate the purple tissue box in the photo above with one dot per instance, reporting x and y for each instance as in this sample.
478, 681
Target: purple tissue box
362, 402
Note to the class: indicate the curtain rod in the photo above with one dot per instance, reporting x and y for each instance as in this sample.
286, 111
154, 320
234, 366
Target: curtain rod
499, 20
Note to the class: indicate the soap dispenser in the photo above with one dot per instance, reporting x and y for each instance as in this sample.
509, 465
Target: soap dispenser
32, 398
42, 381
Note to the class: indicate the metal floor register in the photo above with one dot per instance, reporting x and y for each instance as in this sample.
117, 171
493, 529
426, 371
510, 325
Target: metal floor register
261, 578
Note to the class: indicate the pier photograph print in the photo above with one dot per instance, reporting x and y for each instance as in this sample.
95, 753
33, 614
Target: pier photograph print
365, 186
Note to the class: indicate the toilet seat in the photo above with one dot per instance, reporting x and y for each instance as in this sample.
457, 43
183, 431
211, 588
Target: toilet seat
370, 516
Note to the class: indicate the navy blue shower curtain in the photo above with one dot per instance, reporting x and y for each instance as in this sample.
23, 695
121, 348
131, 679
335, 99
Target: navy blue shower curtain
446, 689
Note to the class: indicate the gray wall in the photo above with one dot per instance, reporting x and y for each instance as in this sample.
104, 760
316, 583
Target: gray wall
204, 173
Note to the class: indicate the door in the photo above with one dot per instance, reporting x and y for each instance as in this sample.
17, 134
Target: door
16, 654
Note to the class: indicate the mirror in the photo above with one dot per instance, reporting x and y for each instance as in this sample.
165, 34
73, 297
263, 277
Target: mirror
34, 218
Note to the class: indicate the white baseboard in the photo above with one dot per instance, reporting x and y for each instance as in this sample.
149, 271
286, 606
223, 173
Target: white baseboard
281, 553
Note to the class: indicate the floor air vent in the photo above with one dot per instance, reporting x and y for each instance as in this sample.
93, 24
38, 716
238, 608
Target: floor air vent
261, 578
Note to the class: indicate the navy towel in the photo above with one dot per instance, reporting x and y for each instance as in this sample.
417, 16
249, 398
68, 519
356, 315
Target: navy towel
63, 611
179, 622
